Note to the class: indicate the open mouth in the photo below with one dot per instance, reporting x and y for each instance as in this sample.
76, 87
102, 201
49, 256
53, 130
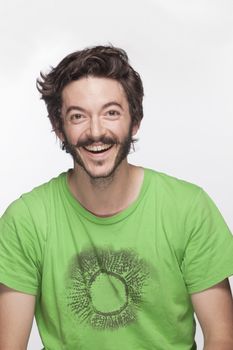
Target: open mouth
98, 149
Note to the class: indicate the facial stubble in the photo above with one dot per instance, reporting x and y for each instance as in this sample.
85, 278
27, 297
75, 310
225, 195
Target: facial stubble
124, 149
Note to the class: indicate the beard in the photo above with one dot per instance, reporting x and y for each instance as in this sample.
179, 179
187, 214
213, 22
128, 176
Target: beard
124, 149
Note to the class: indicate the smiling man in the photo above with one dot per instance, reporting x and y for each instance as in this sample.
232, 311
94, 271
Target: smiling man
98, 135
109, 255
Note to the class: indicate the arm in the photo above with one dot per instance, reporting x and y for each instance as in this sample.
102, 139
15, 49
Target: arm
16, 316
214, 310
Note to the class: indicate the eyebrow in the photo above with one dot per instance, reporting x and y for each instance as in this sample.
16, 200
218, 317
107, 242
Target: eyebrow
106, 105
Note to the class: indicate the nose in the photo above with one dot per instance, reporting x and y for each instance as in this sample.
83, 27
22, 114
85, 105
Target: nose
96, 128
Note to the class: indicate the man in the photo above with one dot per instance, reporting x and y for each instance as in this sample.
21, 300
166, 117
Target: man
111, 255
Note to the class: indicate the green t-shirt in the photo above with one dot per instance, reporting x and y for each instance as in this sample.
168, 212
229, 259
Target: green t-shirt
121, 282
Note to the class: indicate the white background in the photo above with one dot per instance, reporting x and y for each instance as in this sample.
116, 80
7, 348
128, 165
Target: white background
183, 50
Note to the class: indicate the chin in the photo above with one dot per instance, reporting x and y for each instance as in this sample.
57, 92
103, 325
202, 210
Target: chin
101, 169
100, 172
104, 174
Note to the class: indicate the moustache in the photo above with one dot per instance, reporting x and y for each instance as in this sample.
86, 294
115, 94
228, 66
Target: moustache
89, 141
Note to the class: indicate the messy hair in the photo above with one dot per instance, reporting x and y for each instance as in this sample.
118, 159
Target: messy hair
99, 61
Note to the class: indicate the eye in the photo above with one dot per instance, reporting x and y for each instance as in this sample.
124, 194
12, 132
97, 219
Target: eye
113, 113
75, 118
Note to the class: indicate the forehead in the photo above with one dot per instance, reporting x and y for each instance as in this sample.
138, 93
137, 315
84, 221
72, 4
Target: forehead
93, 89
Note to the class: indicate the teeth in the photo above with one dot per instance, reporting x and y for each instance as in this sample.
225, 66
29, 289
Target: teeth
98, 148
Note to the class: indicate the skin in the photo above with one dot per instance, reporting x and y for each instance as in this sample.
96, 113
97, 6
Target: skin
85, 102
106, 195
16, 316
214, 310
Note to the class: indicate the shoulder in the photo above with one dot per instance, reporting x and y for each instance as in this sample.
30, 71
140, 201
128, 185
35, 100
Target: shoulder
173, 189
32, 207
42, 194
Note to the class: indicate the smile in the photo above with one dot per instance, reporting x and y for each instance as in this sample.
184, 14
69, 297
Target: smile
98, 148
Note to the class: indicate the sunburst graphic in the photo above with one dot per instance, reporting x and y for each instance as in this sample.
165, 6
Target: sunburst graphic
105, 287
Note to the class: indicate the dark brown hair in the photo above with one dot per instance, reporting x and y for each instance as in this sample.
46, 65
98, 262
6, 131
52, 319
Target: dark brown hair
98, 61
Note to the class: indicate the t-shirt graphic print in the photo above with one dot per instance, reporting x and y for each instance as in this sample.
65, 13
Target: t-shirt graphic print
105, 287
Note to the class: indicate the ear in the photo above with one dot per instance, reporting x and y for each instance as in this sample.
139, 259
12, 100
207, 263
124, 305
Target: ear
58, 128
57, 124
59, 134
135, 129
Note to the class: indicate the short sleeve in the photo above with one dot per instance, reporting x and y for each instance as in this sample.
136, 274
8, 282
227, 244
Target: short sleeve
20, 249
208, 257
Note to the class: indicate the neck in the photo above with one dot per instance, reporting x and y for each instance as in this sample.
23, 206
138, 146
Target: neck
107, 196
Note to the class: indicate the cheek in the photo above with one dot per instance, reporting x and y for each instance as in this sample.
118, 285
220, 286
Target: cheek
72, 134
121, 129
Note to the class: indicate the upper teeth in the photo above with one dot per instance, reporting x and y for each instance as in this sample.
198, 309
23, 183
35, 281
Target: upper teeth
98, 148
